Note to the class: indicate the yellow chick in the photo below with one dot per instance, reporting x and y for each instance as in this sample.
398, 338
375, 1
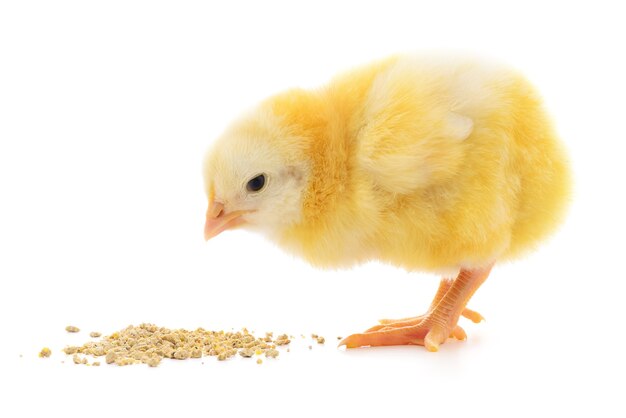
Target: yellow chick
435, 163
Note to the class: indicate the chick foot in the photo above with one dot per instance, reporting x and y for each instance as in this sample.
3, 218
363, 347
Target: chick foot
444, 286
428, 333
473, 316
440, 322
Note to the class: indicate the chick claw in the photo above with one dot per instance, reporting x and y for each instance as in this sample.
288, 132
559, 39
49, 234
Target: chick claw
429, 335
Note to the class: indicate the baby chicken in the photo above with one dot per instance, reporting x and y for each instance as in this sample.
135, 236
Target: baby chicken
442, 164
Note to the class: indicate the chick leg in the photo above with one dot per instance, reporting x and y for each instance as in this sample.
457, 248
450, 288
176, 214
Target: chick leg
436, 325
444, 285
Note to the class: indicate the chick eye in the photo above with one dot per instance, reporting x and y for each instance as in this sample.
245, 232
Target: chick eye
256, 184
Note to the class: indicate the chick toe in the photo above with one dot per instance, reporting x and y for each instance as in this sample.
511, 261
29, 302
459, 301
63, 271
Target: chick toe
458, 333
473, 316
412, 335
386, 324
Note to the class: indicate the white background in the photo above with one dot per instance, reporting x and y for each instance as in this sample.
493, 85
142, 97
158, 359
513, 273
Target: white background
106, 109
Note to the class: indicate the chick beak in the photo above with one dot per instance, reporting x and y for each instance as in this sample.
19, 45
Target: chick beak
217, 220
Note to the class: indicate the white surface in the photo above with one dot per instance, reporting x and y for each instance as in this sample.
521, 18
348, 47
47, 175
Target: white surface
105, 111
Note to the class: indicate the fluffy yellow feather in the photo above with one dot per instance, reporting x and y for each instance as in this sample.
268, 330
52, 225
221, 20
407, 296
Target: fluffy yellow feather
425, 162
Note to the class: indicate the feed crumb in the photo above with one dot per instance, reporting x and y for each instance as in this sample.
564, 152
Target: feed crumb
79, 360
259, 361
153, 361
338, 338
72, 328
95, 334
272, 352
314, 336
45, 352
182, 354
124, 361
70, 350
321, 340
110, 357
282, 340
246, 352
95, 363
310, 347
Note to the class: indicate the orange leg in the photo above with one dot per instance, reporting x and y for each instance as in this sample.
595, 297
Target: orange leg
433, 328
444, 285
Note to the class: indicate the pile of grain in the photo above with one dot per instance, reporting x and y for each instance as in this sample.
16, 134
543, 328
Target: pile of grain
149, 344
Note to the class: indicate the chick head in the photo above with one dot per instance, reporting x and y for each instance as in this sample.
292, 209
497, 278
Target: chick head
255, 175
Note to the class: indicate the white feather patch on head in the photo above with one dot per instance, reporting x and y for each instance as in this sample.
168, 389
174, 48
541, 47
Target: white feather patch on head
258, 144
